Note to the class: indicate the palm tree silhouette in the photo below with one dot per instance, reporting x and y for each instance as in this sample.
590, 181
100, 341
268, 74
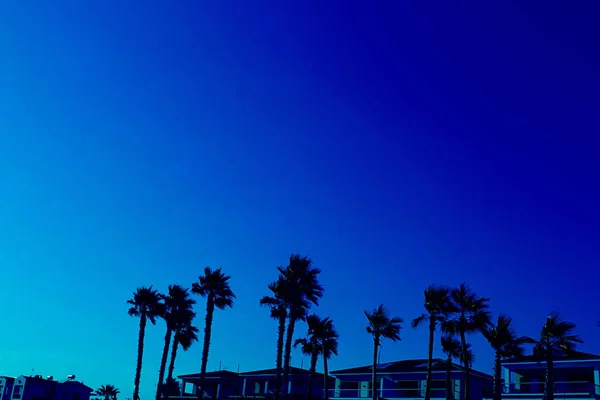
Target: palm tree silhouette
177, 304
437, 305
109, 392
214, 286
471, 315
146, 305
381, 326
321, 337
452, 348
185, 334
301, 288
556, 338
329, 339
278, 308
506, 344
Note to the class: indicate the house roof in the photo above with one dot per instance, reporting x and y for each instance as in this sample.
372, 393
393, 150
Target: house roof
574, 356
273, 371
405, 366
76, 383
212, 374
233, 375
9, 379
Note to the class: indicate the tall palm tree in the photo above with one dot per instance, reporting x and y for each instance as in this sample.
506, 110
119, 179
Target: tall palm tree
451, 346
320, 340
278, 307
311, 347
109, 392
437, 306
214, 286
178, 304
329, 340
302, 288
381, 326
506, 344
556, 338
147, 306
472, 315
185, 335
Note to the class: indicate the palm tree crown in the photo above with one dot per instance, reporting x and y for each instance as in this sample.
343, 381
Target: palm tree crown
381, 325
146, 302
556, 337
216, 284
109, 392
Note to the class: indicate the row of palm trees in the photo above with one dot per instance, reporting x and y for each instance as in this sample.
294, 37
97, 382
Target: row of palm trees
460, 312
296, 289
457, 312
176, 309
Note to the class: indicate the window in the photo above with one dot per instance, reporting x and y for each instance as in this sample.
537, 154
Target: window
17, 392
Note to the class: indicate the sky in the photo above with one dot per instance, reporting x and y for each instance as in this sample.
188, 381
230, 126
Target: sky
397, 144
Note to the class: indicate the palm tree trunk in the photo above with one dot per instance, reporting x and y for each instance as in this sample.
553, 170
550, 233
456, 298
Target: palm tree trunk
173, 355
140, 355
497, 377
288, 350
210, 309
279, 362
163, 363
549, 389
311, 373
465, 361
430, 357
449, 391
326, 373
374, 375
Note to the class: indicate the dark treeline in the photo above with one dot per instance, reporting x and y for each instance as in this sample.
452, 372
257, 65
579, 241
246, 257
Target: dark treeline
457, 313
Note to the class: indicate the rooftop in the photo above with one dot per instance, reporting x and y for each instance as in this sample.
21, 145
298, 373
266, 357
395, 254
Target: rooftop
574, 356
405, 366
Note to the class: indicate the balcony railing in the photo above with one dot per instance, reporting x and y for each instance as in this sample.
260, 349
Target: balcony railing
391, 390
562, 388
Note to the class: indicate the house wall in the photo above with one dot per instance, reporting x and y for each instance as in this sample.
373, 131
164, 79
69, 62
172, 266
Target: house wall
33, 389
6, 386
407, 386
72, 391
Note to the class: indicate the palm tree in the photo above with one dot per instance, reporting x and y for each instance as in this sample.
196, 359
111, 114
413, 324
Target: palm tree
381, 326
451, 346
556, 338
437, 306
506, 344
146, 305
311, 347
278, 308
471, 315
185, 335
302, 288
214, 285
329, 340
178, 304
109, 392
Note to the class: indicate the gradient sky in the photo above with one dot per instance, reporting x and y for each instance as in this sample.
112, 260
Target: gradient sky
396, 145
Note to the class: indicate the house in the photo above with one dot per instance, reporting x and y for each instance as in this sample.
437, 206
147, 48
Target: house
33, 388
6, 387
72, 390
406, 380
38, 388
576, 376
260, 383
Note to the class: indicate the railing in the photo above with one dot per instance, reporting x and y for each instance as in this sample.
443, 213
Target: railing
563, 388
391, 389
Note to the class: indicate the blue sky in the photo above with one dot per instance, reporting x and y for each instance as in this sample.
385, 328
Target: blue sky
397, 144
